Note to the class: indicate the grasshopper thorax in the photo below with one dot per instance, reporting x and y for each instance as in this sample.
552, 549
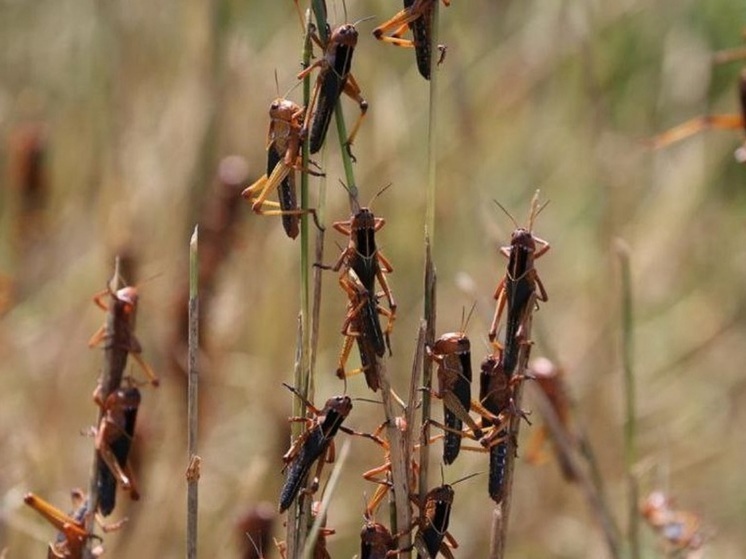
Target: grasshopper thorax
363, 226
522, 249
523, 239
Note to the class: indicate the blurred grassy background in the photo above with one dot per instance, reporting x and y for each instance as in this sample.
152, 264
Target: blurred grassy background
139, 101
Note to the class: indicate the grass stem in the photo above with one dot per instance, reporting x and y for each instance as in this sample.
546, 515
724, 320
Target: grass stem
630, 427
430, 273
299, 514
318, 523
193, 469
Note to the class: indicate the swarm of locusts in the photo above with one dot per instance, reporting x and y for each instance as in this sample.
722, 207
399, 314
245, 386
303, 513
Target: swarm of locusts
484, 422
117, 397
484, 419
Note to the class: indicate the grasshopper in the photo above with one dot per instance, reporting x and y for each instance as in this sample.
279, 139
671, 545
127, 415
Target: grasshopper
334, 78
283, 159
120, 341
362, 324
418, 16
113, 441
521, 286
316, 443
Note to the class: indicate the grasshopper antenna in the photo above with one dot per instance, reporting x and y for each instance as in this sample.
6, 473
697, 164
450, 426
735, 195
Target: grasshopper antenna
368, 400
361, 20
300, 396
499, 205
356, 202
466, 477
465, 323
377, 194
123, 282
290, 89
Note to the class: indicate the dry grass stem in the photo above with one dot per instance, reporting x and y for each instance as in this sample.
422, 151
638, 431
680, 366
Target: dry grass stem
193, 470
501, 514
427, 368
318, 522
399, 455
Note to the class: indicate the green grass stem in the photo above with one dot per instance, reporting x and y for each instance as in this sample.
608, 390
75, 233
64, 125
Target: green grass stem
299, 513
430, 272
630, 426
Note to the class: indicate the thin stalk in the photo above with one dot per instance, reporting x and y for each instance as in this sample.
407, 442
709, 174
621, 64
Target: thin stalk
193, 472
318, 522
432, 128
501, 512
399, 460
430, 273
108, 383
427, 368
346, 159
630, 427
318, 272
299, 514
304, 381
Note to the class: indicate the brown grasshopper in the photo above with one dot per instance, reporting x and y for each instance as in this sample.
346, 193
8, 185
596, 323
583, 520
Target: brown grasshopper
284, 139
521, 286
418, 16
120, 342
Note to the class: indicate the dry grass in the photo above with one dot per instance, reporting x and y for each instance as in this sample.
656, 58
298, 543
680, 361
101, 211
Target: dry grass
141, 99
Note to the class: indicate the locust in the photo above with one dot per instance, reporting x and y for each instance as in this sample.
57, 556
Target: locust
315, 444
333, 79
496, 394
120, 340
113, 442
452, 353
362, 256
284, 139
362, 324
72, 536
376, 542
418, 16
521, 286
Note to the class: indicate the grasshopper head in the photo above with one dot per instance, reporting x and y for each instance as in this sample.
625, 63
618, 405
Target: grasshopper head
452, 342
345, 35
